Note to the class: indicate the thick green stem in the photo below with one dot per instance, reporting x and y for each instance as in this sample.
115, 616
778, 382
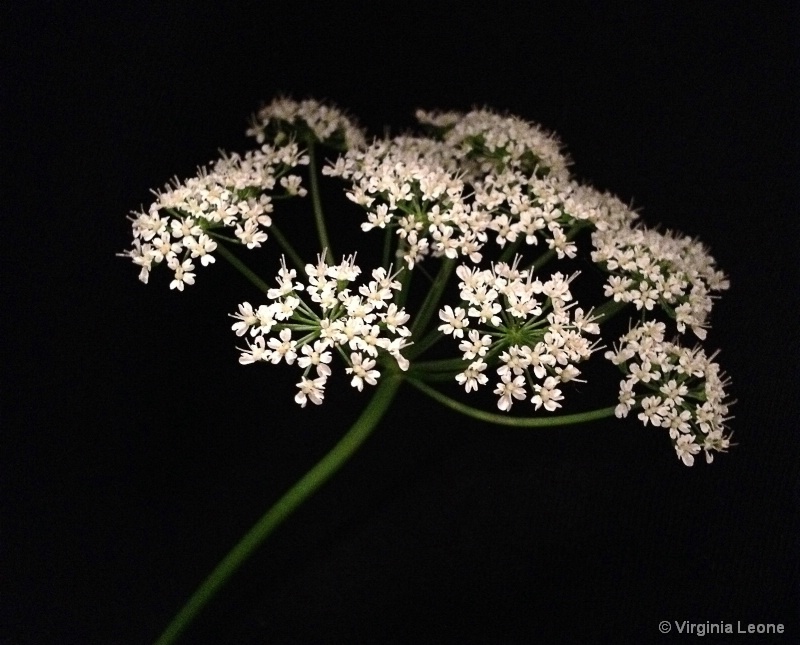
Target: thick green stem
294, 256
519, 422
285, 506
244, 270
317, 201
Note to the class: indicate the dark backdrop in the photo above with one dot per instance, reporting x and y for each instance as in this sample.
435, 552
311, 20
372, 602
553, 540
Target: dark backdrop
135, 450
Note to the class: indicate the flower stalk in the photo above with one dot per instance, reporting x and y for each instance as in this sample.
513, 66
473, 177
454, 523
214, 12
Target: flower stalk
316, 201
294, 256
285, 506
242, 268
517, 422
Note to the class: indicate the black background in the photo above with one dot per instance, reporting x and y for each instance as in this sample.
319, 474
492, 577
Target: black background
134, 450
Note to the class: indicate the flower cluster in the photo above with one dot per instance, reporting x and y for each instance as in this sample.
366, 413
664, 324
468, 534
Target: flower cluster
479, 189
362, 327
236, 192
675, 388
530, 208
488, 141
402, 188
445, 196
326, 123
529, 327
649, 268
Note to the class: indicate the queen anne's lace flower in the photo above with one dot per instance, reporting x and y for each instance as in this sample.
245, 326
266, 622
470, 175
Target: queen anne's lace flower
307, 323
533, 335
529, 209
327, 123
404, 188
488, 174
235, 192
488, 141
679, 389
482, 184
649, 269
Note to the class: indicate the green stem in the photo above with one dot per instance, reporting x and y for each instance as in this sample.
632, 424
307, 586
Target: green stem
419, 348
405, 284
510, 249
285, 506
543, 259
433, 377
294, 256
519, 422
432, 299
317, 202
388, 234
219, 236
607, 310
240, 266
441, 365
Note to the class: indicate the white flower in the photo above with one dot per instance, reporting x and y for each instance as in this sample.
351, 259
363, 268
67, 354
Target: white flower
379, 219
678, 421
394, 319
641, 373
256, 352
477, 345
163, 248
652, 410
185, 228
143, 256
539, 358
250, 235
547, 394
686, 449
246, 318
716, 441
509, 388
183, 273
395, 347
473, 376
362, 371
266, 319
310, 390
286, 284
626, 399
454, 321
316, 356
674, 392
585, 322
370, 340
292, 185
202, 247
283, 348
514, 361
